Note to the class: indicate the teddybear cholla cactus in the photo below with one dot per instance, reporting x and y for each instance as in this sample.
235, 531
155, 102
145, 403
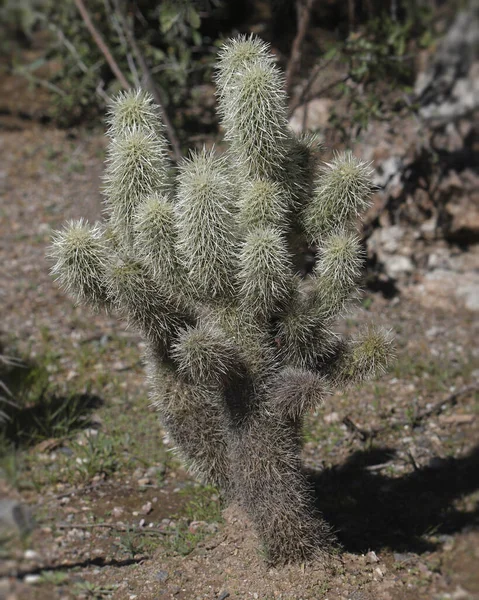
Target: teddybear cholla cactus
207, 266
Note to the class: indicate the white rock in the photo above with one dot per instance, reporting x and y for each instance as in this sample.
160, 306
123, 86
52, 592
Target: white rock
312, 116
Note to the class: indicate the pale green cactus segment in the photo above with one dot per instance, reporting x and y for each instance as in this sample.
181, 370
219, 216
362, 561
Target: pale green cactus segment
204, 355
343, 192
303, 338
337, 270
265, 273
137, 167
255, 120
143, 301
133, 108
81, 256
365, 356
262, 203
206, 227
234, 56
371, 353
155, 236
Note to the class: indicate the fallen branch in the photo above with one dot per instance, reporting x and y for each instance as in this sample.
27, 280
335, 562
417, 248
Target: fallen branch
141, 530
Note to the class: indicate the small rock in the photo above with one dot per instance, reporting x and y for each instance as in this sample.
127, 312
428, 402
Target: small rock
371, 557
30, 555
312, 115
196, 526
147, 508
161, 575
117, 511
32, 579
397, 265
332, 417
404, 557
144, 481
224, 595
15, 515
156, 471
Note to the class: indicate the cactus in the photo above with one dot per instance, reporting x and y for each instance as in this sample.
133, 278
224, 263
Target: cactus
205, 265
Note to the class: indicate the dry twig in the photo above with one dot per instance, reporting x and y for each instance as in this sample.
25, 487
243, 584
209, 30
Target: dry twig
304, 16
100, 42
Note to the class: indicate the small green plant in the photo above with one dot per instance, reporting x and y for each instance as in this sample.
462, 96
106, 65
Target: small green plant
207, 267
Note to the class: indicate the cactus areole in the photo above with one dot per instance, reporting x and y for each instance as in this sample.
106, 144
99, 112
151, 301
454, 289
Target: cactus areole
206, 265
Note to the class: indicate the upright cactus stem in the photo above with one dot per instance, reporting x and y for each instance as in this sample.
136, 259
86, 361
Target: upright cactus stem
240, 345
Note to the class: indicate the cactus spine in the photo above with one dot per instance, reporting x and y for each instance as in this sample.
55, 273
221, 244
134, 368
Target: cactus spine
240, 346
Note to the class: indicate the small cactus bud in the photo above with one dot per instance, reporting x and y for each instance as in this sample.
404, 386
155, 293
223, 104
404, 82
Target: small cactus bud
294, 392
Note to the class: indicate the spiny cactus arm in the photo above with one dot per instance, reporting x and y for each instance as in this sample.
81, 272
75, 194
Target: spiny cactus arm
137, 167
235, 55
364, 357
336, 273
303, 337
204, 355
265, 274
343, 191
206, 228
145, 303
292, 392
255, 120
155, 236
262, 203
133, 108
81, 257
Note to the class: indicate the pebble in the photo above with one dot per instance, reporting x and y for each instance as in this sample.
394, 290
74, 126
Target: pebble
30, 555
117, 511
224, 595
194, 526
32, 579
144, 481
371, 557
161, 575
147, 508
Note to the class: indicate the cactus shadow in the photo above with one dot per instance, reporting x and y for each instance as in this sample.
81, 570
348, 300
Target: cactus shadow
36, 411
370, 510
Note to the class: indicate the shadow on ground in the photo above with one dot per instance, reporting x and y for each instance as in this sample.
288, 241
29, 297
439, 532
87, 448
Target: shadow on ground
370, 510
36, 411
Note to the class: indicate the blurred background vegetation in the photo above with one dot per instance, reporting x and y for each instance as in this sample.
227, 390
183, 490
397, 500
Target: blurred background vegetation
171, 45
